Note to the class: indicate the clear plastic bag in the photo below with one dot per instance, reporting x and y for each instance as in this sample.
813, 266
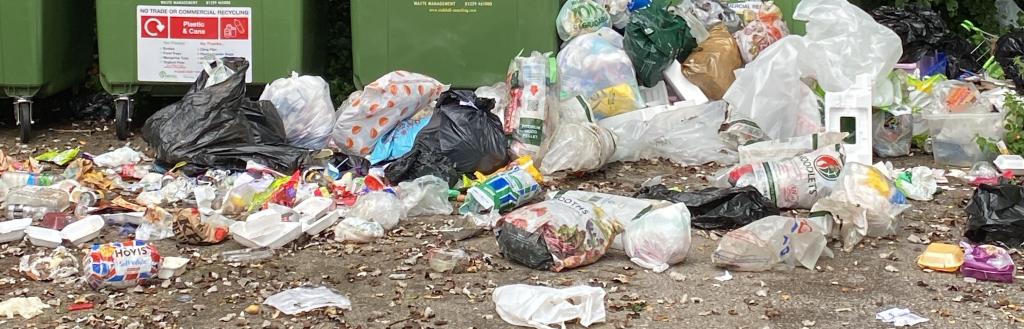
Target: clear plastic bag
892, 133
863, 203
577, 147
659, 239
713, 12
579, 17
368, 114
596, 67
381, 207
955, 96
781, 149
425, 196
773, 242
765, 29
540, 307
358, 230
670, 132
528, 103
304, 104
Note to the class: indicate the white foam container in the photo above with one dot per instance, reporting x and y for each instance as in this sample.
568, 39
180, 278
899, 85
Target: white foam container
83, 230
43, 237
314, 207
171, 267
313, 226
14, 230
1010, 162
272, 237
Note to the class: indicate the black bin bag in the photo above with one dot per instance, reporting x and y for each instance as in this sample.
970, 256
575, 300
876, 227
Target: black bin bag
464, 131
1009, 47
717, 208
996, 215
219, 127
921, 30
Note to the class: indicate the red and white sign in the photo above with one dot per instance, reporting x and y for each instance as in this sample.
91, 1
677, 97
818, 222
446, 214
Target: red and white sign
174, 42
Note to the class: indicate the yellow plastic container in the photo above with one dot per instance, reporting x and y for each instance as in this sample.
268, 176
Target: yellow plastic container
941, 257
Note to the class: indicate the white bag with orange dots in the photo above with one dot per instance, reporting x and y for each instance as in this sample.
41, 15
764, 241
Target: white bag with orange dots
368, 114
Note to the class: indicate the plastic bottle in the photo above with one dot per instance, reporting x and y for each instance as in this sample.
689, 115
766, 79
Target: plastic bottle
37, 196
20, 178
16, 211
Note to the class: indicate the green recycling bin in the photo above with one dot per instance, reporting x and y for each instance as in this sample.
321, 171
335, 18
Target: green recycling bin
45, 47
463, 43
161, 46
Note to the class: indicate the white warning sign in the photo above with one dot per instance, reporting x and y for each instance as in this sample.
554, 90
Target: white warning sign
174, 42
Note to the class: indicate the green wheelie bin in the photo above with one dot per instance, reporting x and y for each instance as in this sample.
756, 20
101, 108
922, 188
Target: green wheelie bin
45, 47
161, 46
464, 43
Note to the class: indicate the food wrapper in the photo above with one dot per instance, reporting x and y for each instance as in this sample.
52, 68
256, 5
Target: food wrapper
58, 264
120, 264
369, 114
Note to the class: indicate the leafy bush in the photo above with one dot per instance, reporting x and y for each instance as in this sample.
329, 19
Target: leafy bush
339, 50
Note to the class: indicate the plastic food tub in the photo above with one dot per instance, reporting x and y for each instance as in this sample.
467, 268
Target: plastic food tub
13, 230
954, 136
43, 237
171, 267
83, 230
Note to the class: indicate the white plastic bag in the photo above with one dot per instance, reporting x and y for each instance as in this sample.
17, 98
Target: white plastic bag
358, 230
596, 67
918, 183
304, 104
368, 114
773, 242
764, 29
425, 196
659, 239
576, 147
304, 299
117, 158
381, 207
842, 42
540, 307
796, 182
621, 209
580, 16
864, 203
780, 149
672, 133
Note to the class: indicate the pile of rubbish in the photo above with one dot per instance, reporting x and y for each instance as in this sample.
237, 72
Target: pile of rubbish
796, 119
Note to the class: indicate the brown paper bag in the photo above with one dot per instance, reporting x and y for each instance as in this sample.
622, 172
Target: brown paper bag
711, 65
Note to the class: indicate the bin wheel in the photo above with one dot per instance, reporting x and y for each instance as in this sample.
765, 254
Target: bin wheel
122, 117
23, 109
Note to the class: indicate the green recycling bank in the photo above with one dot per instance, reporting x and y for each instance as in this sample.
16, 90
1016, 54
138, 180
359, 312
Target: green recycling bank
465, 43
161, 46
45, 48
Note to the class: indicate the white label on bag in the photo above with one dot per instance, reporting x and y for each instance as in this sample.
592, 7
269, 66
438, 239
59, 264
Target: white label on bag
174, 42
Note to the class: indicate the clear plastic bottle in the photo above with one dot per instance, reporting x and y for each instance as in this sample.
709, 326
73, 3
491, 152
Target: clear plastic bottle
20, 178
37, 196
20, 211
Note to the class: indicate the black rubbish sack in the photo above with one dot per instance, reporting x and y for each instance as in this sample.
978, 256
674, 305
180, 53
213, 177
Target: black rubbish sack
717, 208
201, 119
996, 214
523, 247
218, 127
653, 39
960, 57
921, 30
1009, 47
422, 160
462, 129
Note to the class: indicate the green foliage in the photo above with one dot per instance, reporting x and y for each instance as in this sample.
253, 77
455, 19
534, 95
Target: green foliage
1014, 125
339, 50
